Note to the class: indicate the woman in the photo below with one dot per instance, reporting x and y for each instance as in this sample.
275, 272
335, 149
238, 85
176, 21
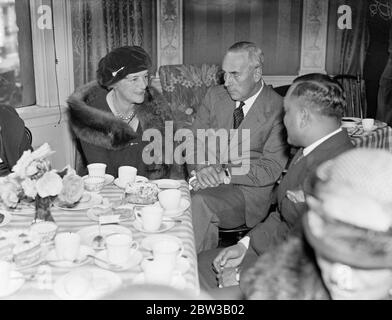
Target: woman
13, 138
110, 116
349, 227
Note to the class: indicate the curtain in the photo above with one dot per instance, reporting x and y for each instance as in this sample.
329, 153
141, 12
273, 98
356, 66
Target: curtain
101, 25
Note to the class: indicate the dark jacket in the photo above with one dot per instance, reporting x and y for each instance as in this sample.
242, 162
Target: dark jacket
13, 138
105, 138
280, 223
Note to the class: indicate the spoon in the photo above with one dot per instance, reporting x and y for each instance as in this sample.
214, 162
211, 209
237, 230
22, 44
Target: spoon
99, 240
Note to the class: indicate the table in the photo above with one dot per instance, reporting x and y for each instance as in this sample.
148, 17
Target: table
75, 220
380, 138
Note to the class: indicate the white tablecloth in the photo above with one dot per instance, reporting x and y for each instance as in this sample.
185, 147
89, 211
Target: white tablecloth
75, 220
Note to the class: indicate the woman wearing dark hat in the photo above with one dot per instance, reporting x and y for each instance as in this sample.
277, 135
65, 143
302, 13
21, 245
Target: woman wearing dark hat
13, 138
349, 226
109, 116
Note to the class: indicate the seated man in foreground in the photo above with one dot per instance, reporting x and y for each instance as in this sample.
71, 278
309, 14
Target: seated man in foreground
254, 150
313, 111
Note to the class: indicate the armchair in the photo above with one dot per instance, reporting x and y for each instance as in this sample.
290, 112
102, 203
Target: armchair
184, 87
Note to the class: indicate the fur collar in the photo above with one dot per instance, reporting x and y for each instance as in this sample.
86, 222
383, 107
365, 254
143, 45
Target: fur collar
93, 122
286, 272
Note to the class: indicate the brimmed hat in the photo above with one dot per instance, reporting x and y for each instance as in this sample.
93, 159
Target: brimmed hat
350, 220
120, 62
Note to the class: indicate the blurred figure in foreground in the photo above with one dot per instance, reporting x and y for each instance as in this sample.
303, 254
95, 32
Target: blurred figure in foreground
349, 227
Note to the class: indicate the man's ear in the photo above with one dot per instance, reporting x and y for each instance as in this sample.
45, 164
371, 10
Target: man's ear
304, 117
257, 74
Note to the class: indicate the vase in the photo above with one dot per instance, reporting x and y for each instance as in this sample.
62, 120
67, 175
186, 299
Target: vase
42, 209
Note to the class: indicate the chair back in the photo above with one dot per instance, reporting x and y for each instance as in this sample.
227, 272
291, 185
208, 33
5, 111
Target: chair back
353, 86
184, 87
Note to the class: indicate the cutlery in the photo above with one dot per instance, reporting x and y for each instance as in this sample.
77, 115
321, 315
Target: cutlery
99, 240
109, 264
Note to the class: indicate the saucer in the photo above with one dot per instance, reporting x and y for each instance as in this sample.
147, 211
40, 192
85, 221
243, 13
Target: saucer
93, 284
6, 218
15, 283
137, 179
82, 258
148, 242
182, 264
87, 201
87, 234
167, 183
165, 226
134, 260
178, 281
108, 179
184, 204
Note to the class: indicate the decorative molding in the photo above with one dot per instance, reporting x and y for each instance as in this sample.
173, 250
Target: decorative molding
64, 53
314, 36
169, 32
44, 58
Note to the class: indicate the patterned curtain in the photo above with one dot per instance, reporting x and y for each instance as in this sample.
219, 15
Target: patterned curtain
99, 26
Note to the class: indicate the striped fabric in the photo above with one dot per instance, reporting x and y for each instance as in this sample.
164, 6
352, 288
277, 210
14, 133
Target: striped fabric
380, 138
75, 220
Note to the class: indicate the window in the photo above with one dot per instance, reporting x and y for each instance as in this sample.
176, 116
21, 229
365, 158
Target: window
16, 61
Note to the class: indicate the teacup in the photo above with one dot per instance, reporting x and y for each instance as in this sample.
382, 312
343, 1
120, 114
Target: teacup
150, 217
367, 124
120, 248
170, 199
46, 230
96, 169
5, 274
94, 184
167, 251
126, 174
156, 272
67, 246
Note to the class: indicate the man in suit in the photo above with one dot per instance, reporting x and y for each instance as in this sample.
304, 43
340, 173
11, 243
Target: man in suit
313, 111
234, 188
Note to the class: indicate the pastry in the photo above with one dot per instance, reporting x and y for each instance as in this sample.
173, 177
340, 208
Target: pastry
141, 193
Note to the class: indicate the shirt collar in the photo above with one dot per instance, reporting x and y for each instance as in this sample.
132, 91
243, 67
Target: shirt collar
249, 102
315, 144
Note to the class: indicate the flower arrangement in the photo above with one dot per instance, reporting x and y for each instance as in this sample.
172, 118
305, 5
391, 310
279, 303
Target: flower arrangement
32, 178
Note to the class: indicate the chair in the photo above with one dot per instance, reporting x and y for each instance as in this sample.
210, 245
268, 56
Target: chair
29, 135
353, 86
184, 87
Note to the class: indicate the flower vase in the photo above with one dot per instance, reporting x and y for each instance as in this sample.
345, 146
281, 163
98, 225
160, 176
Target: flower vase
42, 209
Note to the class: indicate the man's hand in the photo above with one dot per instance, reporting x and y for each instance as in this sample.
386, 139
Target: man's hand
228, 277
230, 257
210, 176
296, 196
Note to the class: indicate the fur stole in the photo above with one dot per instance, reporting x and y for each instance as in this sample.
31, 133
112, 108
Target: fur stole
286, 272
92, 121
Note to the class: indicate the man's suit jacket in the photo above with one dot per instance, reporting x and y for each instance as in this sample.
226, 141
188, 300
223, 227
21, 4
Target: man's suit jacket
267, 152
278, 224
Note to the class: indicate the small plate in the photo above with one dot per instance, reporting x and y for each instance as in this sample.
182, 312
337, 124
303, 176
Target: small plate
178, 281
88, 201
167, 183
182, 264
98, 283
6, 218
123, 211
165, 226
134, 260
184, 205
149, 241
87, 234
108, 179
137, 179
15, 283
82, 258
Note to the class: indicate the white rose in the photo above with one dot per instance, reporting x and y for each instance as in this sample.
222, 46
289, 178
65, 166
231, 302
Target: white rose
29, 188
24, 161
50, 184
